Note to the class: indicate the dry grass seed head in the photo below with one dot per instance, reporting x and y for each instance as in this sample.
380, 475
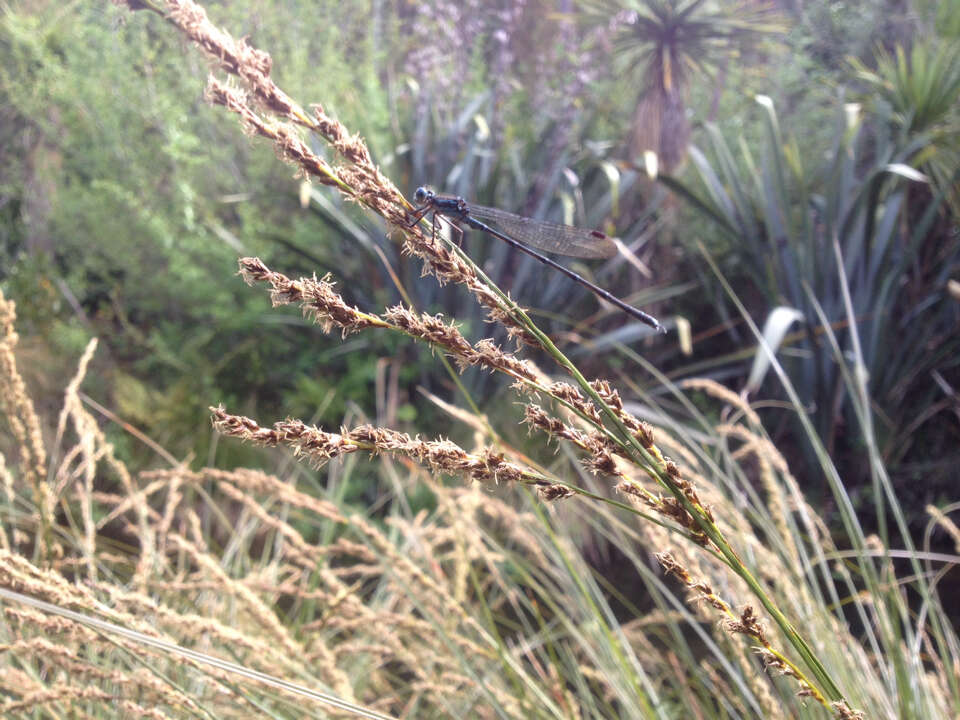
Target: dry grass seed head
488, 466
320, 301
715, 389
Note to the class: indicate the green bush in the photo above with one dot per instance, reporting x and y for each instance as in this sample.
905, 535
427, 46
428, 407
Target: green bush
804, 232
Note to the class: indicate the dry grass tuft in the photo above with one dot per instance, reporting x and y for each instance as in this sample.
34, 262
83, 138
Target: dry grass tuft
25, 427
242, 564
441, 456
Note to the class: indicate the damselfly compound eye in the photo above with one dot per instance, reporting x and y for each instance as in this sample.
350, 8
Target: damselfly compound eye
420, 195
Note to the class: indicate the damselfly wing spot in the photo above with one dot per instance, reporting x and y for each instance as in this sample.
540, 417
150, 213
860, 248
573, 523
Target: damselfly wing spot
603, 245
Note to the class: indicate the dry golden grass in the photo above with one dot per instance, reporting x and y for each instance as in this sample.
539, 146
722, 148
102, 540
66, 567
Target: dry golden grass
232, 563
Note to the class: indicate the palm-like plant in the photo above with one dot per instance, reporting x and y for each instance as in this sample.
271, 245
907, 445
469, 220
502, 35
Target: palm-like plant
666, 44
922, 91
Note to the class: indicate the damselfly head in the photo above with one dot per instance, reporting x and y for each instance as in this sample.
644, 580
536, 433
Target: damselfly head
421, 195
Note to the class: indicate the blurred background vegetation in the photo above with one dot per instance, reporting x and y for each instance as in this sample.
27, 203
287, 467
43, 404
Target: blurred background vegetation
791, 137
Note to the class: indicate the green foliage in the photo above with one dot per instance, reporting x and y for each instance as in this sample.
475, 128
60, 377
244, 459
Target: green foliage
830, 32
801, 234
918, 94
140, 197
667, 41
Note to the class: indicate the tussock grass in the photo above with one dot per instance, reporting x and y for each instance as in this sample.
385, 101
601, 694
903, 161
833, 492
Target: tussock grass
488, 606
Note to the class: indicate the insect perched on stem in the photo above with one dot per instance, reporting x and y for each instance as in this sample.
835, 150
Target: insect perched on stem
525, 234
